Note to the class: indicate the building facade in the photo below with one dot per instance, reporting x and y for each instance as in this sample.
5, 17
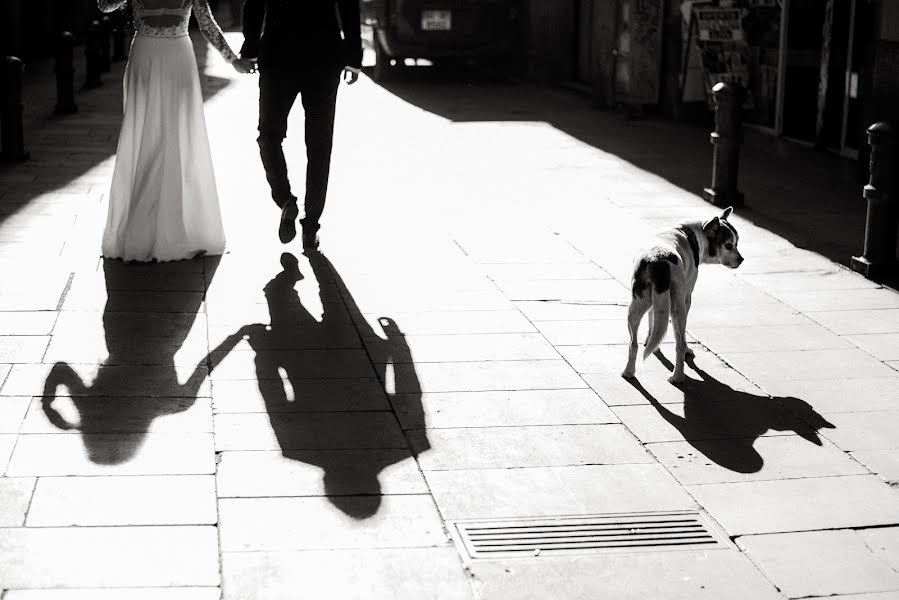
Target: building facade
816, 71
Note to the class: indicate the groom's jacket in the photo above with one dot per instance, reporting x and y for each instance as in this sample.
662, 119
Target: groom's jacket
306, 33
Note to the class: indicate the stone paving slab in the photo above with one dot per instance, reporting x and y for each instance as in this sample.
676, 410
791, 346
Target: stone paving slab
464, 347
275, 524
756, 459
115, 349
738, 316
652, 386
294, 335
85, 298
142, 326
828, 300
586, 290
577, 333
764, 367
161, 279
450, 322
7, 443
518, 447
386, 302
299, 395
883, 346
320, 363
544, 271
114, 380
192, 593
548, 491
96, 501
259, 474
799, 504
12, 413
121, 415
113, 454
829, 396
610, 359
865, 430
573, 311
401, 574
499, 409
485, 376
15, 496
307, 431
883, 463
674, 576
766, 338
843, 563
27, 322
846, 322
77, 557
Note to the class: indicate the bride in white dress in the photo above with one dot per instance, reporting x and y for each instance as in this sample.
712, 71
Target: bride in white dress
163, 203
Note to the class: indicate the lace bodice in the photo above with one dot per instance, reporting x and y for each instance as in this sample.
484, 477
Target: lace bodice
169, 18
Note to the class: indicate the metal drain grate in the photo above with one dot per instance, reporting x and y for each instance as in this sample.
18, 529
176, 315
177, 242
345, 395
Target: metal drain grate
589, 534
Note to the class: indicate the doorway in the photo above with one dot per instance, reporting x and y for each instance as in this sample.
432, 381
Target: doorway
822, 72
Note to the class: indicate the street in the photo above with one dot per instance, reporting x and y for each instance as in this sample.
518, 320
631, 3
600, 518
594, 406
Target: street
268, 425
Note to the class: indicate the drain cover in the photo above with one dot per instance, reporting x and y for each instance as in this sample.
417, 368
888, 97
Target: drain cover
586, 534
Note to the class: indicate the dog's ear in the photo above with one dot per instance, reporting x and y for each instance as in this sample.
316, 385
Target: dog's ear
727, 212
712, 225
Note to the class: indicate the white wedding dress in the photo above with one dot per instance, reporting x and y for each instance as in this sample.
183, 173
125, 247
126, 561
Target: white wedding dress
163, 202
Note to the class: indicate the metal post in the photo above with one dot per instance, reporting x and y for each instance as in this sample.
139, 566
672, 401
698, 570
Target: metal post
93, 53
12, 130
882, 221
105, 50
65, 75
726, 140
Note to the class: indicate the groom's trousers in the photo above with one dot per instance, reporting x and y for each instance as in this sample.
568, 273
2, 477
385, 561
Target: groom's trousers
279, 86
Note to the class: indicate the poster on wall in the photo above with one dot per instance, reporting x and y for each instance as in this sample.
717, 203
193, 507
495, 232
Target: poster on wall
717, 42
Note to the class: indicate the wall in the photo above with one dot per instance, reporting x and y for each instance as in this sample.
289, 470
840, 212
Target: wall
550, 31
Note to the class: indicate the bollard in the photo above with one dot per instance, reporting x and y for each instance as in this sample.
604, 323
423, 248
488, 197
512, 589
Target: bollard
93, 49
12, 130
65, 75
105, 52
118, 39
726, 140
882, 220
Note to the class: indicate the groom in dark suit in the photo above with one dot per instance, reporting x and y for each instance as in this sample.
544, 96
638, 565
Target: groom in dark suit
301, 47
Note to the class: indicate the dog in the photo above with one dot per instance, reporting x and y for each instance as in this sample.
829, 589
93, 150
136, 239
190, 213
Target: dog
663, 279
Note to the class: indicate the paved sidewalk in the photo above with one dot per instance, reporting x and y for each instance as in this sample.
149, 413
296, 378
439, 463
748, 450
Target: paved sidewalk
271, 425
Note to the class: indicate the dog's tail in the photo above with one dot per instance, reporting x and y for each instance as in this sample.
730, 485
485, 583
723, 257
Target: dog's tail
660, 276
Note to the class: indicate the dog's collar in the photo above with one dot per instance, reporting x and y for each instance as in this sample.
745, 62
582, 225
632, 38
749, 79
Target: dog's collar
694, 244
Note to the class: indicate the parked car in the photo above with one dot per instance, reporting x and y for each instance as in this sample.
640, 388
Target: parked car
439, 30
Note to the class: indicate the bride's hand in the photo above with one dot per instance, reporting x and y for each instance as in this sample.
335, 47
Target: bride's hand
244, 65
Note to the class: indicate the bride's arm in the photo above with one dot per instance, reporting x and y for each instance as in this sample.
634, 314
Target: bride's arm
211, 30
111, 5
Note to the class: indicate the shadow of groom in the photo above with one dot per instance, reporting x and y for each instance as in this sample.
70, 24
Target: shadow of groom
324, 405
723, 423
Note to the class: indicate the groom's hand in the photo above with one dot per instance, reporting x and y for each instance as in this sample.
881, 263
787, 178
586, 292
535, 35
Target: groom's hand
350, 75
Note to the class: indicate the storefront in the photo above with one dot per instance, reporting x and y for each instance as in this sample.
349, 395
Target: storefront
802, 63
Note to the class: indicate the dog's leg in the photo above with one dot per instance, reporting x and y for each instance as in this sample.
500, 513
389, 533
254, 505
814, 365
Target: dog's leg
679, 322
688, 302
635, 312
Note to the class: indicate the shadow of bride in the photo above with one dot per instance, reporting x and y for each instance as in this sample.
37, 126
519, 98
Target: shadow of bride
138, 381
351, 434
723, 423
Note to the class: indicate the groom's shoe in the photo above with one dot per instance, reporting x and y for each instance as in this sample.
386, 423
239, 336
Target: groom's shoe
287, 229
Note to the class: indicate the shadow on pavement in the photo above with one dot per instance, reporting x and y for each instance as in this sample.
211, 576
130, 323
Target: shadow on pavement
723, 423
811, 198
351, 480
138, 382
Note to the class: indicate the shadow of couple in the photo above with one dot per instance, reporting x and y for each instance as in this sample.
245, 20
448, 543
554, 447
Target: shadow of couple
296, 356
723, 423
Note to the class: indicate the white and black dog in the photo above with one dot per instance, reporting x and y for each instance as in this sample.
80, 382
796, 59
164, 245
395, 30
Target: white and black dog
664, 276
